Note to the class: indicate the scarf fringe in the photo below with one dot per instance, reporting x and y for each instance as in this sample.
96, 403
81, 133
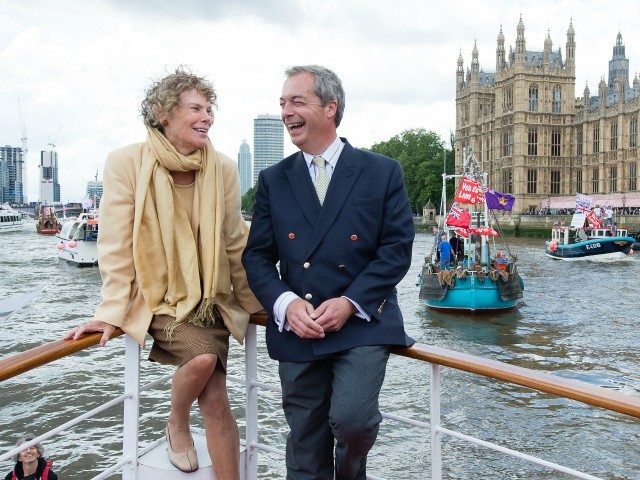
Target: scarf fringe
205, 315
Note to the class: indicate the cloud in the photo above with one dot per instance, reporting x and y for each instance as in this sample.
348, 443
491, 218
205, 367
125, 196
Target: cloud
85, 66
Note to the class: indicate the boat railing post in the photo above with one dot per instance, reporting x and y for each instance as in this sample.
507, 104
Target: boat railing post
434, 419
131, 409
251, 376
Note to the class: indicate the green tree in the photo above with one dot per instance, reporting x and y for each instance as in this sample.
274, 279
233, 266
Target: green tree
422, 155
248, 199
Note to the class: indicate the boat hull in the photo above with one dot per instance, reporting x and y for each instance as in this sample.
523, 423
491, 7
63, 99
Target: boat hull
48, 231
595, 249
472, 294
85, 254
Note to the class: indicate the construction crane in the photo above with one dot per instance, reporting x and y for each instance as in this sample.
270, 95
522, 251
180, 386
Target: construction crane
52, 141
25, 149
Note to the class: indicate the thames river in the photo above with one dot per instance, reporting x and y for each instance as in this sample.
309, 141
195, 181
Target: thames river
576, 320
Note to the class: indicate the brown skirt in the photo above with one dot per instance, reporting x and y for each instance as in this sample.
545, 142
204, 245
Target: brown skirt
187, 341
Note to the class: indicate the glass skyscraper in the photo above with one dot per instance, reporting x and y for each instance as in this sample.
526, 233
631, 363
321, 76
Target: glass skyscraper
244, 167
268, 142
11, 175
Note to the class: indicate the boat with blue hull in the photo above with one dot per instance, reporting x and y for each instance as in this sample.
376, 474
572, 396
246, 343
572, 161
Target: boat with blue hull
599, 244
480, 276
473, 293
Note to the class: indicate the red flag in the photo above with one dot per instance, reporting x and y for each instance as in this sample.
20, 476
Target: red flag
469, 191
463, 232
594, 221
458, 217
488, 231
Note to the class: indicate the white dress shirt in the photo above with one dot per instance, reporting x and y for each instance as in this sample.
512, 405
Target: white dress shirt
330, 155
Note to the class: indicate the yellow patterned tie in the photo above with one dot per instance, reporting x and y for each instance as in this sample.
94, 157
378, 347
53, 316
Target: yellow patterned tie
322, 179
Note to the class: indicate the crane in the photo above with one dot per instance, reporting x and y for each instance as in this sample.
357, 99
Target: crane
52, 141
25, 149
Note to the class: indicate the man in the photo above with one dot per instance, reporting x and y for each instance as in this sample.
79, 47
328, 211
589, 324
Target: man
445, 252
342, 230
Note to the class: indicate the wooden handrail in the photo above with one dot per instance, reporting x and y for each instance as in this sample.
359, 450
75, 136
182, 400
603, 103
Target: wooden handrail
543, 382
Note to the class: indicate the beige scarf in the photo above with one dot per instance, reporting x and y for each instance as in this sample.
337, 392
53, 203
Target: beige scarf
183, 271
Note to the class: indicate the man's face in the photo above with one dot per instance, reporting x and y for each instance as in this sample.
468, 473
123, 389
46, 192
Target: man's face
310, 125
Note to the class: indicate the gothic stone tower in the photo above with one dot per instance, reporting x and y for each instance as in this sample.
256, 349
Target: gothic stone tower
518, 119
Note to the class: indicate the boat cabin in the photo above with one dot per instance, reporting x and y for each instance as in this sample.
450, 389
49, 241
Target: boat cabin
565, 235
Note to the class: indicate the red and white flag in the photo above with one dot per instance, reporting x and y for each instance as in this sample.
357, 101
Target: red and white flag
487, 231
458, 217
469, 191
594, 221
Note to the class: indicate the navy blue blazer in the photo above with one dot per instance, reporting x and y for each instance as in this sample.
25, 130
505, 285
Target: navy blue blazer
357, 244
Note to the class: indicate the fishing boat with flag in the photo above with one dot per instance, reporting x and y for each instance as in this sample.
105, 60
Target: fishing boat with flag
466, 269
587, 238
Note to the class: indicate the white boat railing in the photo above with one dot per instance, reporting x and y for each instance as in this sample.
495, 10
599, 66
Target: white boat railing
436, 357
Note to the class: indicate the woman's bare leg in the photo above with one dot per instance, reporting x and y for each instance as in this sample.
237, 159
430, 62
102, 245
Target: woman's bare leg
220, 427
187, 385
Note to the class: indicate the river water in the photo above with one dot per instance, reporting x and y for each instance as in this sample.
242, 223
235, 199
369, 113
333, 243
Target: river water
576, 320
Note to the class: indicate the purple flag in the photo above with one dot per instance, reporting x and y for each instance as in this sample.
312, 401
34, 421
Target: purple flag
499, 201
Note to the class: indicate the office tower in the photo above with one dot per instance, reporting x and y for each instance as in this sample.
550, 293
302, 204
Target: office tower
11, 175
94, 191
49, 186
268, 142
244, 167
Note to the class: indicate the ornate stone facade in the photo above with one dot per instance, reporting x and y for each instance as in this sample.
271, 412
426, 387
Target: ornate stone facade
534, 138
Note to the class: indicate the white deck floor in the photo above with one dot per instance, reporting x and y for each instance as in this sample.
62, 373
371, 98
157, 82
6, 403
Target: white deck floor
155, 465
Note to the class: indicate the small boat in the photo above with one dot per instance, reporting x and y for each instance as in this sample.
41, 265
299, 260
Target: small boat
77, 241
481, 278
48, 223
10, 220
580, 243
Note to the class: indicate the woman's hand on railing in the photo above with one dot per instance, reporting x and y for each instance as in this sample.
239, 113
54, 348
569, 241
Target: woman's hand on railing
93, 326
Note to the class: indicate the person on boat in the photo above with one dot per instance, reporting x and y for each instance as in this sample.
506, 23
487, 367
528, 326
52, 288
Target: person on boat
338, 221
31, 464
457, 248
445, 252
169, 249
608, 216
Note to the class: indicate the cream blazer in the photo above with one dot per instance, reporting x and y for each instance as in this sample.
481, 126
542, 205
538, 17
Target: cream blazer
122, 303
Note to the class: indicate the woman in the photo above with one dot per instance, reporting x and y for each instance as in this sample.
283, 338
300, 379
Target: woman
31, 464
169, 248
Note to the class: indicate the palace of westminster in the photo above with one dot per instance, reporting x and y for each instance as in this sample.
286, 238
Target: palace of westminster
535, 139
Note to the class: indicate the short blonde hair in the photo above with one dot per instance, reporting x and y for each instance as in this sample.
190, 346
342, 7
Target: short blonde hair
163, 96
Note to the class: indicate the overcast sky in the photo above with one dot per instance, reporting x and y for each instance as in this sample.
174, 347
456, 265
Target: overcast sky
80, 67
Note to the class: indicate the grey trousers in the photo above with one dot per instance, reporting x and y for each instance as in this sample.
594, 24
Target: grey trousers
332, 398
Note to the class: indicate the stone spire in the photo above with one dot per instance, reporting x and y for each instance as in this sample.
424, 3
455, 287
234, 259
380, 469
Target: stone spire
460, 72
520, 43
602, 93
475, 65
587, 95
500, 51
548, 45
571, 45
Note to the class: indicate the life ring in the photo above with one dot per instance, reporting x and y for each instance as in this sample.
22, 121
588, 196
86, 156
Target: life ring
553, 246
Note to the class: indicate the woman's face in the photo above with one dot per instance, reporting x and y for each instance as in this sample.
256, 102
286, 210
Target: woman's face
28, 455
187, 126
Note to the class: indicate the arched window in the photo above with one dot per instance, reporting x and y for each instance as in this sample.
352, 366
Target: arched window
533, 98
557, 97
